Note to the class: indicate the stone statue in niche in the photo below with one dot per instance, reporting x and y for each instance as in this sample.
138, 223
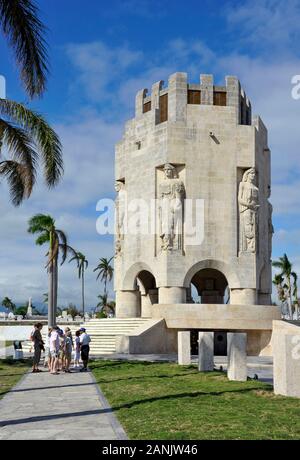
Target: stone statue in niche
248, 199
120, 211
171, 193
270, 223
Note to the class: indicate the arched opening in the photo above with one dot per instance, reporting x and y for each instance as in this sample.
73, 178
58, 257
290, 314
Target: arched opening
210, 286
146, 285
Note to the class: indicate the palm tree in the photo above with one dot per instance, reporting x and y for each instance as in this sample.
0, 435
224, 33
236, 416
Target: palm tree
278, 282
8, 303
25, 133
25, 34
82, 265
105, 271
286, 271
44, 225
104, 305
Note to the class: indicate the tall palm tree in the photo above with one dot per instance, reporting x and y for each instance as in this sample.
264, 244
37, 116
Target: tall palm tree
82, 265
24, 133
44, 225
287, 273
105, 271
278, 281
8, 303
25, 32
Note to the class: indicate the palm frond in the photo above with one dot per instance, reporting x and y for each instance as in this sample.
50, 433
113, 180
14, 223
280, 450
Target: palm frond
18, 178
46, 138
40, 222
25, 34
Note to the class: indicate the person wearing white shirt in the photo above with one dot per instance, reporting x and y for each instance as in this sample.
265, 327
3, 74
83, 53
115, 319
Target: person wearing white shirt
84, 348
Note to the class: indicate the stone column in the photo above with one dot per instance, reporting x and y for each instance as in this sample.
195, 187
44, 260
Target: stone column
128, 304
184, 348
206, 351
177, 97
207, 89
237, 356
173, 294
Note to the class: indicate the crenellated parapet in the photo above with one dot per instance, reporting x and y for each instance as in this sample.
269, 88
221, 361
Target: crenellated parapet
170, 103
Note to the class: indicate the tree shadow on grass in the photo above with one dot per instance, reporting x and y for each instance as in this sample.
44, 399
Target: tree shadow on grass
41, 418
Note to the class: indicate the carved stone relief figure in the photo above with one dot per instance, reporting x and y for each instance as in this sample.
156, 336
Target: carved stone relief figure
248, 199
171, 193
120, 210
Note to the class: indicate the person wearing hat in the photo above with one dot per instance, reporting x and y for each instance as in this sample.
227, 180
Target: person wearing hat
84, 348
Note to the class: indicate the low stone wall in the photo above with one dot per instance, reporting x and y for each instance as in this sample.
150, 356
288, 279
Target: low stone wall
148, 339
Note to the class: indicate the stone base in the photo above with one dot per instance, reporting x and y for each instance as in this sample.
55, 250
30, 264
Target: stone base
184, 348
206, 351
286, 358
237, 356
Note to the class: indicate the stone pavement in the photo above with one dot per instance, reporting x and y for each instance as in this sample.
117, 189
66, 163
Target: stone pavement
59, 407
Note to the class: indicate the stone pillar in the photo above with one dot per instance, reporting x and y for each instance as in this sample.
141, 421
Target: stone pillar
173, 294
155, 100
128, 304
139, 102
237, 356
177, 97
206, 351
286, 356
233, 95
207, 89
184, 348
243, 297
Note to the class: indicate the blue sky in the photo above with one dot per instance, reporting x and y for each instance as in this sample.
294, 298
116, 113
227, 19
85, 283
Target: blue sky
101, 53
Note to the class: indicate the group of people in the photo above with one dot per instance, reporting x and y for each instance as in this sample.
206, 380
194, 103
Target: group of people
59, 348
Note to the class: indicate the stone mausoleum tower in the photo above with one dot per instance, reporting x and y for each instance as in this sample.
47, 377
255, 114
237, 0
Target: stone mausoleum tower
193, 174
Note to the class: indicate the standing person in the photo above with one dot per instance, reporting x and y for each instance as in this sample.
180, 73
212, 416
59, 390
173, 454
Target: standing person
61, 353
84, 348
38, 346
47, 360
77, 349
54, 350
68, 347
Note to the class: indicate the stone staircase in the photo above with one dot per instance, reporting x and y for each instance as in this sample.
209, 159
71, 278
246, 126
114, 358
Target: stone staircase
103, 333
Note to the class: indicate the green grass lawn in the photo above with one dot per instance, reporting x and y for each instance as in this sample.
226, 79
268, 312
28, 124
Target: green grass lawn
166, 401
10, 373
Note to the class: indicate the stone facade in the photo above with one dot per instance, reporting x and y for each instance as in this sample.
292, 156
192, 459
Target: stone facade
192, 142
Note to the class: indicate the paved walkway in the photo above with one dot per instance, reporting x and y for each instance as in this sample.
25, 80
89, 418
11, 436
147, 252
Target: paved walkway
60, 407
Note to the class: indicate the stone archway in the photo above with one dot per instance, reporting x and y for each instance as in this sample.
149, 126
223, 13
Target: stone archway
148, 291
139, 292
211, 286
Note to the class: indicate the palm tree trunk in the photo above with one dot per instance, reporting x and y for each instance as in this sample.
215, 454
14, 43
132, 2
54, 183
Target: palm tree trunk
55, 283
51, 318
82, 280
